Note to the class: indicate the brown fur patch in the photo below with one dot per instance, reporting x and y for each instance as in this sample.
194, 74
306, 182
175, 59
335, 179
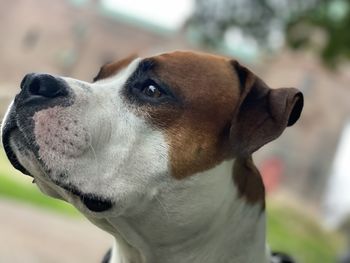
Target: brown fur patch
196, 130
111, 69
248, 180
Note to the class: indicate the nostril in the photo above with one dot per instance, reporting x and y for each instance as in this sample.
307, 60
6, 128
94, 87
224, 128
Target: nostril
25, 80
34, 87
44, 85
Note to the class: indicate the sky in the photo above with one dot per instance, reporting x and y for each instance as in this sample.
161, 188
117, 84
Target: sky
169, 15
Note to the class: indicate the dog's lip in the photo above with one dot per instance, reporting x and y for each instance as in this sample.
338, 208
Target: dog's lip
93, 202
9, 128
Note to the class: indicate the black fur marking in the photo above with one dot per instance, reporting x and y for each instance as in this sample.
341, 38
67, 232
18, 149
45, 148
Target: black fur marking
91, 201
279, 257
107, 256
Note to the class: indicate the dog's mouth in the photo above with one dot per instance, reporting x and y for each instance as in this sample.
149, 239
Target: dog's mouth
93, 202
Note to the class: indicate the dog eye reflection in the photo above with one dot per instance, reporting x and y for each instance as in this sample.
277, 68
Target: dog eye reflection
152, 91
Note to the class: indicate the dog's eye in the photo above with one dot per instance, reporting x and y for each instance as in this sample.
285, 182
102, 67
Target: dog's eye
152, 90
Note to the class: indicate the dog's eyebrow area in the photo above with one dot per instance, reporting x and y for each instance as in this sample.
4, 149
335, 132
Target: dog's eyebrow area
145, 66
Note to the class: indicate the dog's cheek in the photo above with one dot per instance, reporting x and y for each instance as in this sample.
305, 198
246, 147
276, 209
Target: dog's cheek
192, 147
191, 152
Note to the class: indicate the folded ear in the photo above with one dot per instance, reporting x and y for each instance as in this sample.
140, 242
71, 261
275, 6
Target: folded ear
109, 69
262, 113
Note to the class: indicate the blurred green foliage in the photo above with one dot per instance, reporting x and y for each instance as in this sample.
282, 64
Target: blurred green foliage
329, 18
293, 231
321, 25
13, 189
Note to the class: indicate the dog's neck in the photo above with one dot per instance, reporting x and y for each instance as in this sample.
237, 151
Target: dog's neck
200, 219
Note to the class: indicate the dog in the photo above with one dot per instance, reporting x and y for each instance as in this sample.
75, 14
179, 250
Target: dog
156, 151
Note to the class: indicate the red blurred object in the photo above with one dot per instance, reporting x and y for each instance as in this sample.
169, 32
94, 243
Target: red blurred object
271, 171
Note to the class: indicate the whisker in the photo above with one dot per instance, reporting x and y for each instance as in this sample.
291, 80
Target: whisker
92, 150
109, 121
89, 142
163, 207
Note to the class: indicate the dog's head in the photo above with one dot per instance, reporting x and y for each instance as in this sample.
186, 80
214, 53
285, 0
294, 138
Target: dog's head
110, 145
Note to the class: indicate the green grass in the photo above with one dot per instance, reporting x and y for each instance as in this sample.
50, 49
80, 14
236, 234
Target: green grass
289, 229
13, 189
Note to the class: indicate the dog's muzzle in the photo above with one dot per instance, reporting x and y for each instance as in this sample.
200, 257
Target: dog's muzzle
38, 91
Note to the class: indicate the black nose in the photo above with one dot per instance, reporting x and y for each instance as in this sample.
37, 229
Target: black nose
43, 85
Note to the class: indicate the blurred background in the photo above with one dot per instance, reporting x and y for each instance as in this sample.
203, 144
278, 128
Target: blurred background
300, 43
